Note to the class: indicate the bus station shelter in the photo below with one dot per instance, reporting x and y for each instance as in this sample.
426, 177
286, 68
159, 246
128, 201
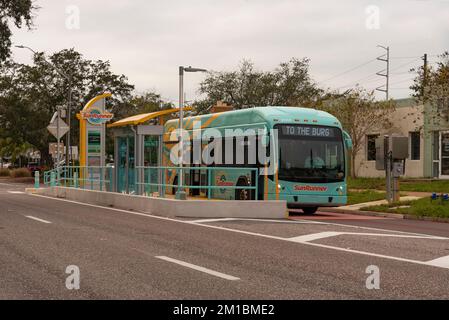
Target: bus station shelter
138, 144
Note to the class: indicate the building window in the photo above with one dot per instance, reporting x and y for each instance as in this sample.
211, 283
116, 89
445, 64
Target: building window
371, 147
415, 145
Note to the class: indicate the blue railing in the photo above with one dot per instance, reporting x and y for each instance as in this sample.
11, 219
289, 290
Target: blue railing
93, 178
158, 181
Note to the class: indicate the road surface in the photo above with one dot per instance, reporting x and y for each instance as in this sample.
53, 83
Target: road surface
132, 255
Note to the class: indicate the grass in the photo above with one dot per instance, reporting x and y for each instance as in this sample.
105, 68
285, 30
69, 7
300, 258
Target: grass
366, 183
355, 197
422, 207
4, 172
440, 186
426, 186
20, 173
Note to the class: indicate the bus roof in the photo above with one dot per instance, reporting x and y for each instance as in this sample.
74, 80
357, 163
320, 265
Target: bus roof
270, 115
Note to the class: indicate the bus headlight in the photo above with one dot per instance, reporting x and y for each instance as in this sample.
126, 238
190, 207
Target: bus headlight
340, 190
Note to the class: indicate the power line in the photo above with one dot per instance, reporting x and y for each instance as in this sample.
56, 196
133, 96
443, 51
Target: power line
407, 63
349, 70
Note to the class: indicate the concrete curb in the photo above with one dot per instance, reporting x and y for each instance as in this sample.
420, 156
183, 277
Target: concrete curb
386, 215
424, 218
171, 207
365, 213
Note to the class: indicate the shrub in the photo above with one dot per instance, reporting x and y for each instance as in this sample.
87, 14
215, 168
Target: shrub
20, 173
4, 172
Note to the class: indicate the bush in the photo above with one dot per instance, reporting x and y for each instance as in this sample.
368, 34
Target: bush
4, 172
20, 173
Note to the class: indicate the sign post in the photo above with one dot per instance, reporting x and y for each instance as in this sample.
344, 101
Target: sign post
391, 153
58, 128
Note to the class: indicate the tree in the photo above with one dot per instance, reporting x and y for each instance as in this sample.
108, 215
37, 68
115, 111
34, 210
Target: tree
29, 94
149, 102
18, 12
288, 85
431, 86
360, 115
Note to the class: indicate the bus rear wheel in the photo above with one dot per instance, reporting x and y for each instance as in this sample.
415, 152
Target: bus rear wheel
242, 194
310, 210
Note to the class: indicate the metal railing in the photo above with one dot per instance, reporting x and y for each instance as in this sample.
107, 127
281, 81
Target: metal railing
92, 178
150, 179
155, 181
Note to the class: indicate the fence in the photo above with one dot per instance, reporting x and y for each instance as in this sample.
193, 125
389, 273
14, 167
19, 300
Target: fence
93, 178
210, 182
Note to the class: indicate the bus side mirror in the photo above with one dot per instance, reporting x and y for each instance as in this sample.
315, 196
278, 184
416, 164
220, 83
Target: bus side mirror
348, 140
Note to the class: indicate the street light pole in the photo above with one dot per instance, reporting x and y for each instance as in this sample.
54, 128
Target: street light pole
181, 194
69, 104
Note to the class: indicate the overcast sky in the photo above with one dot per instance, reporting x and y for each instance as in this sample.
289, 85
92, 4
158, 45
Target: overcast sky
148, 39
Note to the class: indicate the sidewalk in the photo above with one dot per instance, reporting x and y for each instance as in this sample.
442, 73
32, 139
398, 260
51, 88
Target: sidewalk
356, 208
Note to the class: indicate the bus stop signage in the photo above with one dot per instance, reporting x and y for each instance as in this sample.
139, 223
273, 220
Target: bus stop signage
96, 116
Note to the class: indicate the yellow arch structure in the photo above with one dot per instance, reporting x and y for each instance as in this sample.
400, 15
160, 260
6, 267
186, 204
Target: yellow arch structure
93, 100
142, 118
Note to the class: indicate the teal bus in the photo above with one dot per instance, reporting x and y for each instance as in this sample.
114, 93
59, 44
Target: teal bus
310, 147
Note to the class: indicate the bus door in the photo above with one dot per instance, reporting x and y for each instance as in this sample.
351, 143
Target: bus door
151, 160
194, 176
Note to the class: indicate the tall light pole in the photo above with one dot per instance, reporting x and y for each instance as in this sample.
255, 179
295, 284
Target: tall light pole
181, 194
69, 104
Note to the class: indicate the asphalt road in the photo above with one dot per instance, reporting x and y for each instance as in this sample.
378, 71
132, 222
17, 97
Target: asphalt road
129, 255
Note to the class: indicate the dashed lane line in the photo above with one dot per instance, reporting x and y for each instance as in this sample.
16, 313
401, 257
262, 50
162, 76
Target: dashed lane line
38, 219
199, 268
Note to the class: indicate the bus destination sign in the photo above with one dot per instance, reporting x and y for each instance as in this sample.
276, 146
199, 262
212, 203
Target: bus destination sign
309, 131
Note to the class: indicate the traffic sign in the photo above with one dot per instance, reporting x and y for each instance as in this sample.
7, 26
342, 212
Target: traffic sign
53, 128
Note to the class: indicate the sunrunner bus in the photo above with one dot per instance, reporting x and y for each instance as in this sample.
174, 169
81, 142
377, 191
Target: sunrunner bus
310, 148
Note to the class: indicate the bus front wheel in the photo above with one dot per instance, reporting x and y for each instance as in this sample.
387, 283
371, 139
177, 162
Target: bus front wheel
310, 210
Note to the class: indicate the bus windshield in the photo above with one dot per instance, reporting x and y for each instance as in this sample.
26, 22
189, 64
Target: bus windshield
311, 153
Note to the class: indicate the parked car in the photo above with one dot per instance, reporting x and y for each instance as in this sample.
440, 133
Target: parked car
6, 165
34, 166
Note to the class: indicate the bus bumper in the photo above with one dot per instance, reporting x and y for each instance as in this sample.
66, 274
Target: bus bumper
303, 201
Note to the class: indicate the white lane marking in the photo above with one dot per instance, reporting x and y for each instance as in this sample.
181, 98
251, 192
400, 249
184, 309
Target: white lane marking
251, 219
244, 232
198, 268
37, 219
212, 220
314, 236
322, 235
367, 228
442, 262
7, 184
16, 192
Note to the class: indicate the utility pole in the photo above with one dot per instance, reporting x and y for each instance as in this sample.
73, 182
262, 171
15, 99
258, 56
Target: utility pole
387, 73
68, 147
424, 78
